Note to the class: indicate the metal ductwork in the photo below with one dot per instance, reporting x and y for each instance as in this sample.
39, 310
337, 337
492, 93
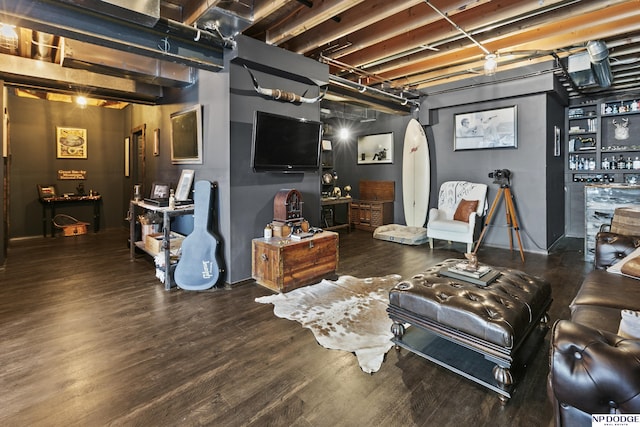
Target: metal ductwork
103, 60
599, 56
166, 40
145, 12
591, 68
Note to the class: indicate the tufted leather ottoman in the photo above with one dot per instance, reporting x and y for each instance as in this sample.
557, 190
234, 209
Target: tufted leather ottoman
493, 325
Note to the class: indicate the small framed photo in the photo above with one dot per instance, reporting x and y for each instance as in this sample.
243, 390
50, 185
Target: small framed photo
156, 142
159, 191
184, 185
47, 191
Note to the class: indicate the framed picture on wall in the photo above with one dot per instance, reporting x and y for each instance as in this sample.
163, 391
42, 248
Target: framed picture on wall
496, 128
186, 136
71, 143
376, 148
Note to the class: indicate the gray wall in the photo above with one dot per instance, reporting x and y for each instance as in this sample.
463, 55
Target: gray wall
537, 184
33, 160
528, 164
351, 173
251, 204
212, 94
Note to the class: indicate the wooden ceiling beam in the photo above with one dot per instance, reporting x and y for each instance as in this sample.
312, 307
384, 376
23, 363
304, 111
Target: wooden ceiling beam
194, 9
508, 39
351, 20
552, 37
403, 23
308, 18
264, 8
398, 36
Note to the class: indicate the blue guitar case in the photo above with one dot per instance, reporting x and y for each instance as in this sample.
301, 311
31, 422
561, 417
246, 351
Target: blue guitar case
199, 267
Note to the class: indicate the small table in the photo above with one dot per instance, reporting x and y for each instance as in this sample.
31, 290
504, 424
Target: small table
51, 203
479, 332
333, 201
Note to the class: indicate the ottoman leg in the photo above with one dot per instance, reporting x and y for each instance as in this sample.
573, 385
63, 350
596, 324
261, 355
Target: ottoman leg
397, 329
544, 321
504, 378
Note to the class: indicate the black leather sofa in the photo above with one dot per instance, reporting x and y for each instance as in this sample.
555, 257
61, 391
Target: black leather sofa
592, 369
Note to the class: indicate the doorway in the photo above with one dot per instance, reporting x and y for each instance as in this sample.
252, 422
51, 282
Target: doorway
138, 148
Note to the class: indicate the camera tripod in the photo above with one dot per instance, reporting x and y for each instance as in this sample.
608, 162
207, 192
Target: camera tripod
512, 218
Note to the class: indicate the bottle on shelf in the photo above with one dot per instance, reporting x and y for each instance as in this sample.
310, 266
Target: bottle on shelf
592, 164
572, 163
636, 162
172, 199
621, 163
629, 164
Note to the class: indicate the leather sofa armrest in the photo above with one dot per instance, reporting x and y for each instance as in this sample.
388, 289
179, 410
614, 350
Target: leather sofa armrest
612, 247
592, 372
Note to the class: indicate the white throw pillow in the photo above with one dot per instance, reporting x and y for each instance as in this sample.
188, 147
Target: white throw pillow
616, 268
630, 324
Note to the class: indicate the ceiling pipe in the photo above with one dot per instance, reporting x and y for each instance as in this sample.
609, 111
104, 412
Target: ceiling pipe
168, 40
363, 89
457, 27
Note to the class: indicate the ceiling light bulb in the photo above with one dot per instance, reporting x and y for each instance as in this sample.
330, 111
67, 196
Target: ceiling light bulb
8, 37
344, 134
81, 101
490, 65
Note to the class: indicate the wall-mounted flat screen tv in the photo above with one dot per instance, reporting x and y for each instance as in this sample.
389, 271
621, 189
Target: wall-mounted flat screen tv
285, 144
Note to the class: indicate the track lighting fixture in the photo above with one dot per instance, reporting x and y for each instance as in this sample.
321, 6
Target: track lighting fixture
490, 64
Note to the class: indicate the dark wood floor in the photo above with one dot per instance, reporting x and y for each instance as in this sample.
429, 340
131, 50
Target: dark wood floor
89, 338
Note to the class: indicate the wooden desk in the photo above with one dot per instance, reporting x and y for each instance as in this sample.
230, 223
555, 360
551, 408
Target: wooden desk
332, 201
51, 203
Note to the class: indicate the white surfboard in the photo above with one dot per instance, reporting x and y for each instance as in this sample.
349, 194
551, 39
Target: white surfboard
415, 175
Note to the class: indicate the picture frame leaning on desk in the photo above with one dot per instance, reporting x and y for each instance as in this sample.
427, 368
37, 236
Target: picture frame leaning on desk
47, 191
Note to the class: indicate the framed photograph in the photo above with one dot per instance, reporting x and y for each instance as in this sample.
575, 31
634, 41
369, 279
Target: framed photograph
127, 150
184, 185
374, 149
186, 136
156, 142
47, 191
495, 128
71, 143
159, 191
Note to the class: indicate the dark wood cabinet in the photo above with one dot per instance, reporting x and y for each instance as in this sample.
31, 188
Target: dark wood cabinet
375, 205
368, 215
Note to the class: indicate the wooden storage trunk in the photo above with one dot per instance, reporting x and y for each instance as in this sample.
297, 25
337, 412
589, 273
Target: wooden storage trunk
283, 264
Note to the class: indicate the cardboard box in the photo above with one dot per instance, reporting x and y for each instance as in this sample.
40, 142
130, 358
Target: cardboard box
153, 241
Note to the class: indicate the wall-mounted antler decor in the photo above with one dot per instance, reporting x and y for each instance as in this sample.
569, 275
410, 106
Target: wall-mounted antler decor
281, 95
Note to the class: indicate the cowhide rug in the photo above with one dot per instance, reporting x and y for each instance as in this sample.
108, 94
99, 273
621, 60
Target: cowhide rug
348, 314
